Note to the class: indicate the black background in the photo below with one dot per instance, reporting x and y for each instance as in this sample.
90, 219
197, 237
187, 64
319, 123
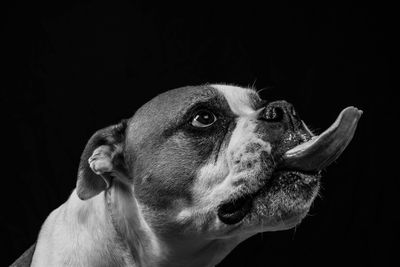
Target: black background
73, 67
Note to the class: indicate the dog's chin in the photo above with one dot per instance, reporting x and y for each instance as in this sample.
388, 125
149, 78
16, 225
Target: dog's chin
281, 203
285, 201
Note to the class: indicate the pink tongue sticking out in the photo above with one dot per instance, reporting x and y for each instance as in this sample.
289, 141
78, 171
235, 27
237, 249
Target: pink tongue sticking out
322, 150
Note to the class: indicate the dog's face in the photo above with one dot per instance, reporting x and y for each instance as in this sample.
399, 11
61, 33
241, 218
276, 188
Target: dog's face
216, 161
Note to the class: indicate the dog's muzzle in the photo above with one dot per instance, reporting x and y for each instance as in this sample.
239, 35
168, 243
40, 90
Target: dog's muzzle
296, 153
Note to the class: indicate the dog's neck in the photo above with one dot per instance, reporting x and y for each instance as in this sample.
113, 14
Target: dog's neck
195, 252
148, 248
133, 234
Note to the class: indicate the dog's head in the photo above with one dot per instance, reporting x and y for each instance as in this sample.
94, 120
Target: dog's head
215, 161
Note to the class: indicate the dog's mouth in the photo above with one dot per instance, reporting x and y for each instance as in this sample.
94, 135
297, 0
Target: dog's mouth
299, 167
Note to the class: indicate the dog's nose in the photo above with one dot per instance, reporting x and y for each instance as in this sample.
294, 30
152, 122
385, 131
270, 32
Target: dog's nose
281, 112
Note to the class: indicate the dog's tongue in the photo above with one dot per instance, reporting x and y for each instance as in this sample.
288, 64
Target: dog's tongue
322, 150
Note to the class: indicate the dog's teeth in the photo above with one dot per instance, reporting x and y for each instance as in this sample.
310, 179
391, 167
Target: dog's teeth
322, 150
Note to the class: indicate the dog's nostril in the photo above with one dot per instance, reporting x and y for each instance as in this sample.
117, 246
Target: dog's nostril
274, 114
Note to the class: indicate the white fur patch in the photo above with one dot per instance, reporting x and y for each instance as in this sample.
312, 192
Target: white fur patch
237, 97
244, 133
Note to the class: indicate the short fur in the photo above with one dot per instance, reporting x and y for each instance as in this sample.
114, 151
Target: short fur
150, 189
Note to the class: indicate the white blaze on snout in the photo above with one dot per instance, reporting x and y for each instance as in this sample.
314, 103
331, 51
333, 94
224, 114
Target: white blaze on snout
245, 147
237, 164
237, 98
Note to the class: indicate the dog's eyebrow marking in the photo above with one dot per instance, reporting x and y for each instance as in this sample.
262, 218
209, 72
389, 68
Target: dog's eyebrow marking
240, 100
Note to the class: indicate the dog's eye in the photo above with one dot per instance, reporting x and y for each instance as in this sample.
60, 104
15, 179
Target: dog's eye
203, 118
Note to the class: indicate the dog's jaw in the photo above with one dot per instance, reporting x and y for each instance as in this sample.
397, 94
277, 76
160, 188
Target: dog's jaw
283, 202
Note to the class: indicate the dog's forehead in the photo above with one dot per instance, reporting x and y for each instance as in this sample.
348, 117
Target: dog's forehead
171, 104
174, 102
167, 108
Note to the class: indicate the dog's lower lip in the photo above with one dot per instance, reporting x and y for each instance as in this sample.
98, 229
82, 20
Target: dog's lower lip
309, 172
307, 177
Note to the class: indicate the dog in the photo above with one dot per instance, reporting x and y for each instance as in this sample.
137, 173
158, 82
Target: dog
193, 173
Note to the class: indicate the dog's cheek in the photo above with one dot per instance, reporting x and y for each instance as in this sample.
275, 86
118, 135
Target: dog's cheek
169, 172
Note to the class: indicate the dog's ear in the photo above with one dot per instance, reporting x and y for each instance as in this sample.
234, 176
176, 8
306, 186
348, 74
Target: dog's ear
101, 161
